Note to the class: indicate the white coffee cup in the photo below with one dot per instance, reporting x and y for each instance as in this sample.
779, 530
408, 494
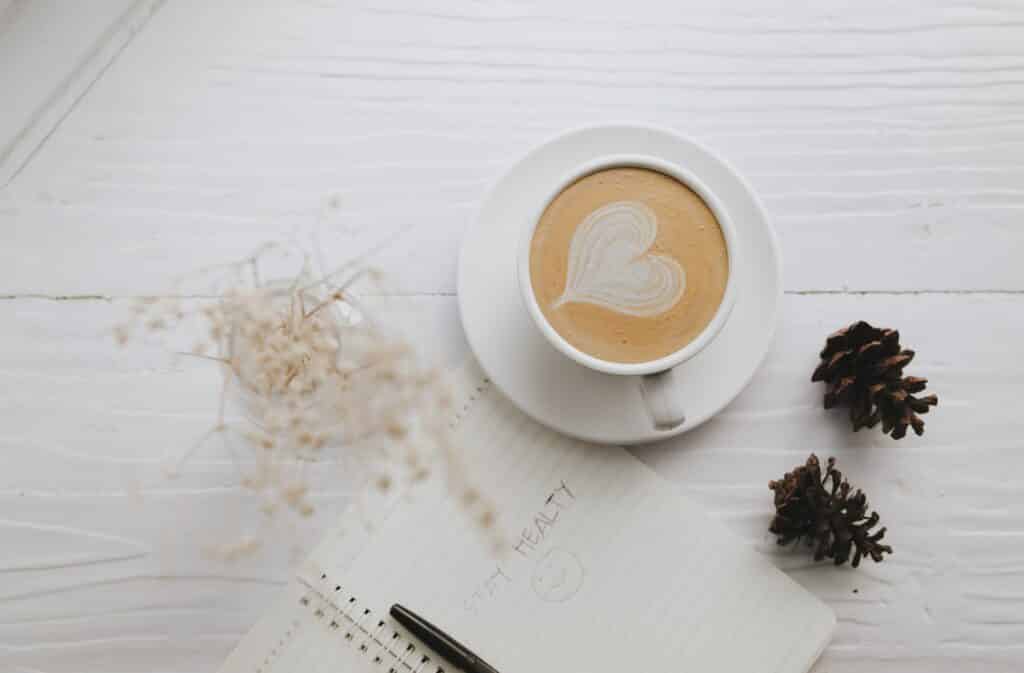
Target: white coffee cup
656, 377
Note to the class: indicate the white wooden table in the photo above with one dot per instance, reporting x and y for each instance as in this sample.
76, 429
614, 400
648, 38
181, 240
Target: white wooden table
146, 138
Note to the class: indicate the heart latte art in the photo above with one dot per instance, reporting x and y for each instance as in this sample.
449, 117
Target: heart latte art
610, 264
628, 264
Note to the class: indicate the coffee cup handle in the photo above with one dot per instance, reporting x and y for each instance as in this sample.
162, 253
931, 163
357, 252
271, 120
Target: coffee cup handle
663, 398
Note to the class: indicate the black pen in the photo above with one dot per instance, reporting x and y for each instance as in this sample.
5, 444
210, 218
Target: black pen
452, 650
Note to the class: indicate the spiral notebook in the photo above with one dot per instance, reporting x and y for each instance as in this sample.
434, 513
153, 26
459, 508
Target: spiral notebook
606, 570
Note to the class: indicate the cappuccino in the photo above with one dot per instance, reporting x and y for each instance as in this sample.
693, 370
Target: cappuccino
628, 264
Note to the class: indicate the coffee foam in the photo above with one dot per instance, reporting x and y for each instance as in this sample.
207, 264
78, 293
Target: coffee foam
610, 264
628, 264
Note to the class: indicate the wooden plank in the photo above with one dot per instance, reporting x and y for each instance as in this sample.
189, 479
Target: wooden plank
51, 52
885, 146
105, 567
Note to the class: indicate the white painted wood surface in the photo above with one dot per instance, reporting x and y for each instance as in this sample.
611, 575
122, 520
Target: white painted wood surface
51, 52
887, 140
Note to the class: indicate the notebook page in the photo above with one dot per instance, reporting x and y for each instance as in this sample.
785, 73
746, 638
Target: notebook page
607, 568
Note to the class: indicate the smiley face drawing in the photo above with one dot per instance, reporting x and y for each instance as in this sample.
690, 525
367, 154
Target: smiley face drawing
558, 576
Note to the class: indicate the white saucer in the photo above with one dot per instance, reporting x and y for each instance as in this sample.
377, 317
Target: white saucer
550, 387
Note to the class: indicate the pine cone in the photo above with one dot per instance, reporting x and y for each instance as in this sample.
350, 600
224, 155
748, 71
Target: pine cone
863, 367
825, 515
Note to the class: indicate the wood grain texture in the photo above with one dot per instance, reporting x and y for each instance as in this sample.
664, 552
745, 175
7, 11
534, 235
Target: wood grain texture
51, 52
886, 141
222, 126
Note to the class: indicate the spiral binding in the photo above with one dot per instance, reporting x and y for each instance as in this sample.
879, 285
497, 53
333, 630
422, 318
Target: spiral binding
376, 638
469, 397
380, 641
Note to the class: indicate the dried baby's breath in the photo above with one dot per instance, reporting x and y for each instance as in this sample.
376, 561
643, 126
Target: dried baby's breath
315, 379
234, 550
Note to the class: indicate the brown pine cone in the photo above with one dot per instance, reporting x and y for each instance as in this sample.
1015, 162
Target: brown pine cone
825, 515
863, 367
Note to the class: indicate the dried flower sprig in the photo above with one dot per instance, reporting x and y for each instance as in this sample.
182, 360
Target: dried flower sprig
315, 377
